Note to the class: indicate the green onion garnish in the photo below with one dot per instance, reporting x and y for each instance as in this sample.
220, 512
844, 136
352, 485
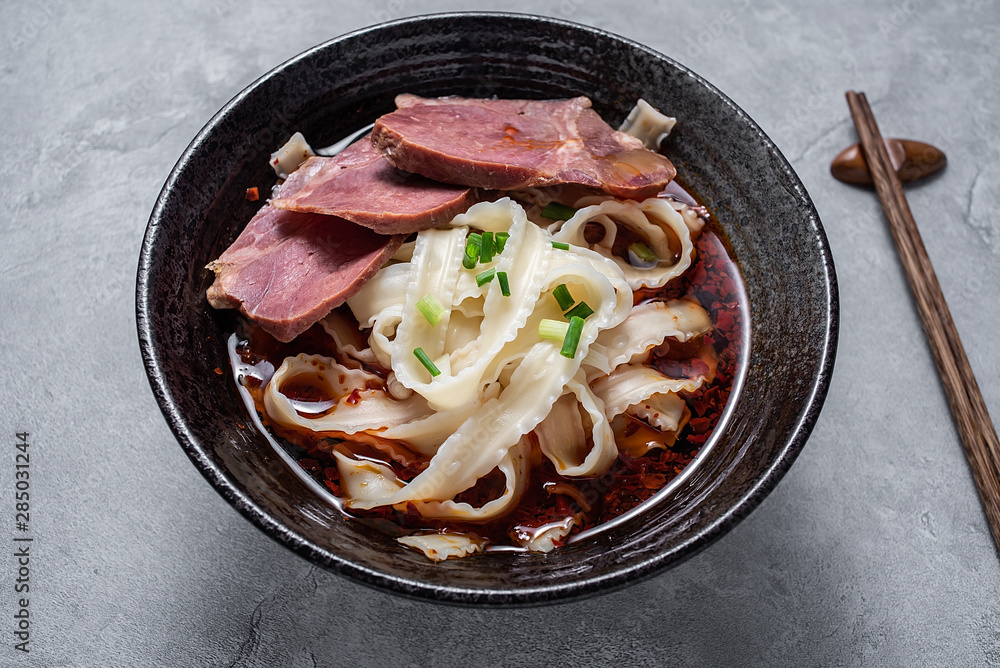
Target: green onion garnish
643, 252
562, 295
426, 361
431, 309
488, 249
485, 277
560, 245
581, 310
504, 285
552, 329
501, 241
472, 247
557, 211
572, 339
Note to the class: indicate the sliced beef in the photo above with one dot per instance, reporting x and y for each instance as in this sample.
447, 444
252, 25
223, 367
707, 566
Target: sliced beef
511, 144
287, 270
360, 185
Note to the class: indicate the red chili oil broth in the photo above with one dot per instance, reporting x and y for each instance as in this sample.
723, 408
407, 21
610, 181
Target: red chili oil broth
713, 281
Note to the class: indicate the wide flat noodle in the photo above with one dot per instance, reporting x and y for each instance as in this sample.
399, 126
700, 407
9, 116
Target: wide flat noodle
355, 407
481, 443
665, 411
544, 538
561, 436
647, 325
514, 466
631, 384
382, 292
441, 546
345, 337
524, 256
653, 219
648, 124
501, 387
365, 480
367, 483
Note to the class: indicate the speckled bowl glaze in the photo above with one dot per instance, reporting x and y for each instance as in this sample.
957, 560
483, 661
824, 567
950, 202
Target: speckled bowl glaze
341, 86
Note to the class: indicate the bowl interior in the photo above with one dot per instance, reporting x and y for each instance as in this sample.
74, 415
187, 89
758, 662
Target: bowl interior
343, 85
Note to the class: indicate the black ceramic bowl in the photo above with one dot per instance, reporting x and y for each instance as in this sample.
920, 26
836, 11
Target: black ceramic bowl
341, 86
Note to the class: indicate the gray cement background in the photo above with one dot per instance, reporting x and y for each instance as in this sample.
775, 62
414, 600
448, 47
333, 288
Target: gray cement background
872, 551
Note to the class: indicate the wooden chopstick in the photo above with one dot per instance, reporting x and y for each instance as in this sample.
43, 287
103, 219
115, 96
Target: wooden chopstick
979, 438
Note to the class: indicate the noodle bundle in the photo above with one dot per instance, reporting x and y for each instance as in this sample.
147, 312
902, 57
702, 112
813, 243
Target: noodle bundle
500, 388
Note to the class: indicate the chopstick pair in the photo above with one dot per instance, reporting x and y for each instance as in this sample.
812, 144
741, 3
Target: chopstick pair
979, 438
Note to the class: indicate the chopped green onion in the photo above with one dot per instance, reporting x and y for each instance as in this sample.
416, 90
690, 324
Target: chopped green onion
431, 309
426, 361
560, 245
501, 241
572, 339
552, 329
581, 310
643, 252
488, 249
504, 285
562, 295
485, 277
557, 211
472, 247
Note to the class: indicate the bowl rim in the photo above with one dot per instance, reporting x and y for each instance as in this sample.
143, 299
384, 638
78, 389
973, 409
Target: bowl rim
623, 575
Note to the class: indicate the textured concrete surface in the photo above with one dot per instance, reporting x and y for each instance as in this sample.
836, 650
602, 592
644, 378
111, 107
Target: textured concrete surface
872, 551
